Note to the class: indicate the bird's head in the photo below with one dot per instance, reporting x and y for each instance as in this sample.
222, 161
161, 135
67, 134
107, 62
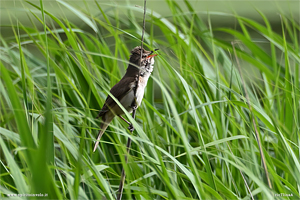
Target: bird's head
147, 59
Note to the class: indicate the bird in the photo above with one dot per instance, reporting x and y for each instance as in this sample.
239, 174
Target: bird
129, 91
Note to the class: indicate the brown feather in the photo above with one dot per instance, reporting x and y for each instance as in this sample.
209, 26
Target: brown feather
123, 87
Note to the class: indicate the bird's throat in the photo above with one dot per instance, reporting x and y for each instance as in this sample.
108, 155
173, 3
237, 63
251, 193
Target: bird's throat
132, 71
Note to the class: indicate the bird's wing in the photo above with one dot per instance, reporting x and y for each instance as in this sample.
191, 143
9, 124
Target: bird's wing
123, 87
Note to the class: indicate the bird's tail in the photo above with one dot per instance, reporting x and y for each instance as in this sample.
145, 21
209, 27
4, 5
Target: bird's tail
103, 127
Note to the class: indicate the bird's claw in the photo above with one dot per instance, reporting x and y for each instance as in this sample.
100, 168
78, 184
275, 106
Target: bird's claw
131, 128
134, 107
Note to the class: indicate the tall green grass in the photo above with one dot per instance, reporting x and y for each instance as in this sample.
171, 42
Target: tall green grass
194, 132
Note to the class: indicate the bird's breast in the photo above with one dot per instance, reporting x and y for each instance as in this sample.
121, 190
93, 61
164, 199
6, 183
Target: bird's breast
128, 100
141, 89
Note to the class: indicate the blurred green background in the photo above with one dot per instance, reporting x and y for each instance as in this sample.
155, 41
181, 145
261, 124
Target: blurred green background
16, 10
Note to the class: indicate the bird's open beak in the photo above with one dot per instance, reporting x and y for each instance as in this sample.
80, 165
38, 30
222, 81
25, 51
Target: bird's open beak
151, 56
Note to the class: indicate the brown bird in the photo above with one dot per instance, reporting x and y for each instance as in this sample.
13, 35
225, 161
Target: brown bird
137, 75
